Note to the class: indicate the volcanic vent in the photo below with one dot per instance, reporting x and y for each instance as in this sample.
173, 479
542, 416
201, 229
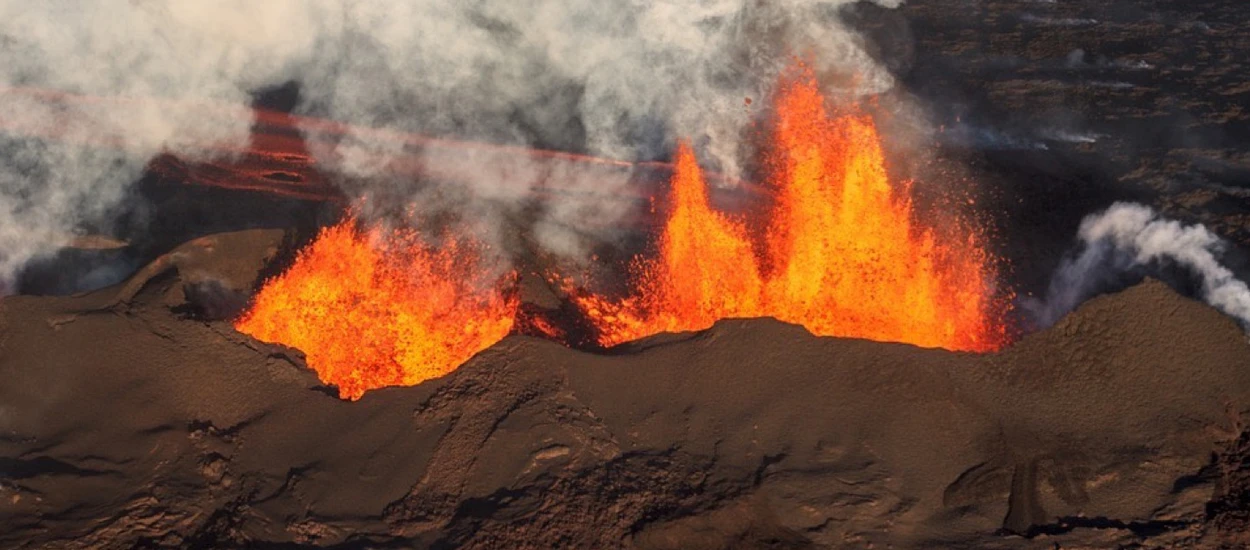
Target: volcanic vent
838, 250
381, 307
842, 253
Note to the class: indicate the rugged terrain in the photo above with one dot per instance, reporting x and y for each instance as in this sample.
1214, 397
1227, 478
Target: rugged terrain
131, 418
135, 416
1061, 107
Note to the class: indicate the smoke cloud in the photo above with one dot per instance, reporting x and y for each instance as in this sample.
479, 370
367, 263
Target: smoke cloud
617, 79
1129, 237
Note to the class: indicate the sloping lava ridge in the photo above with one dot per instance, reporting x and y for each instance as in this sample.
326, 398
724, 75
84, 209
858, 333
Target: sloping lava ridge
129, 420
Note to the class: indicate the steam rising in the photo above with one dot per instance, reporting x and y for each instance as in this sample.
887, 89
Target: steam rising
618, 79
1131, 236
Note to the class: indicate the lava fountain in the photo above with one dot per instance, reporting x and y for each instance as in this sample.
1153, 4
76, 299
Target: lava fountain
842, 254
380, 307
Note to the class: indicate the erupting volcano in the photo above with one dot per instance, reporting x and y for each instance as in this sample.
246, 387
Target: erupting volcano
842, 256
603, 303
381, 308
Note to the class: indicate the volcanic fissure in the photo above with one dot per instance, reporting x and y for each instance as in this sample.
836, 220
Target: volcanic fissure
840, 252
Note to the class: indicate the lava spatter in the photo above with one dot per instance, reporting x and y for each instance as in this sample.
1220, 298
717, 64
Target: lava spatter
381, 307
841, 255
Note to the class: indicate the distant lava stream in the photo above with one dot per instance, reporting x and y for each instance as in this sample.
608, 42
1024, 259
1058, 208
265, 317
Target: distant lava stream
276, 159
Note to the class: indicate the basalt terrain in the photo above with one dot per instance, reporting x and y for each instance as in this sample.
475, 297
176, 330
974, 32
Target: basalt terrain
132, 418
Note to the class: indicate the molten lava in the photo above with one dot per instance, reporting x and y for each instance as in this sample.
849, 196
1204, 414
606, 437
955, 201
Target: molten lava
381, 308
705, 271
842, 255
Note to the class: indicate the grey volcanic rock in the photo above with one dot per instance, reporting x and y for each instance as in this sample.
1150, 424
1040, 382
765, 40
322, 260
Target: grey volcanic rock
1057, 109
140, 426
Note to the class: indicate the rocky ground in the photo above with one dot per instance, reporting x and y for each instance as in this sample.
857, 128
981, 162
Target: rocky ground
1061, 107
132, 418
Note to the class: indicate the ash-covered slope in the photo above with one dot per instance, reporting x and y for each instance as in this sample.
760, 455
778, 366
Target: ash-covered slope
124, 422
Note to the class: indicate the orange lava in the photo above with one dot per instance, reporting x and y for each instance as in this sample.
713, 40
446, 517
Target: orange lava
705, 271
381, 308
842, 254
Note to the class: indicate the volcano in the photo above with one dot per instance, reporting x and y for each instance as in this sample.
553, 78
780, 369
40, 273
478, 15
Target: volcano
1023, 329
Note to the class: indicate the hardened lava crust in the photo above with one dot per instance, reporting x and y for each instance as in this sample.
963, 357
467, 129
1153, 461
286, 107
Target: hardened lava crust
132, 418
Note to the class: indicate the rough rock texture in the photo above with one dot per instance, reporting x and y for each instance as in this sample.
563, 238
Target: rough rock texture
1059, 108
138, 425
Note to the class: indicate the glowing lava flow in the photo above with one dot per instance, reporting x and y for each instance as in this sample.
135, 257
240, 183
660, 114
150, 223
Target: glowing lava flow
842, 255
705, 271
381, 308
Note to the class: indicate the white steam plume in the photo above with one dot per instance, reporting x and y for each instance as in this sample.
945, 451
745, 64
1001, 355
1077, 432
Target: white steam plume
136, 50
1128, 236
618, 79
